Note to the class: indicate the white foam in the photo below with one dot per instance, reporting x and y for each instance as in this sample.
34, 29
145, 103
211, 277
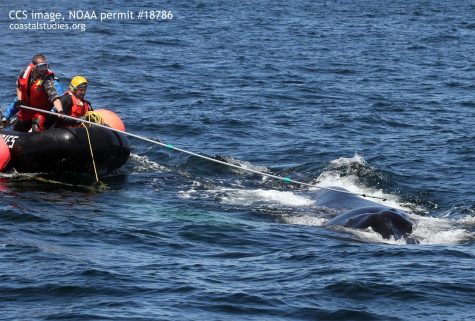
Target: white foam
372, 236
271, 196
15, 174
309, 220
251, 197
433, 230
343, 161
468, 219
189, 193
141, 164
427, 229
246, 165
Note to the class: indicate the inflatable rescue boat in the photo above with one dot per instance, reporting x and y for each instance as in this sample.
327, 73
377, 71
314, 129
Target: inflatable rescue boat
64, 150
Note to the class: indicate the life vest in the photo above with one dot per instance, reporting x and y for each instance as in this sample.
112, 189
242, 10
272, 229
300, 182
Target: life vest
79, 107
34, 95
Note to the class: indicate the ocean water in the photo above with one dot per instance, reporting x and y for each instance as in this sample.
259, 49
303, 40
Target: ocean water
373, 96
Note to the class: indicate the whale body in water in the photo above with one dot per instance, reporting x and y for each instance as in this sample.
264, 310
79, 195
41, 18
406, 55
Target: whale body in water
362, 213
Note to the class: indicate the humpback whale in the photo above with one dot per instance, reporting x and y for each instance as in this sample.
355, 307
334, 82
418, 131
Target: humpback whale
361, 213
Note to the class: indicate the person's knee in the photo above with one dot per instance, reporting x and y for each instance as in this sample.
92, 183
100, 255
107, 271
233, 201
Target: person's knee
22, 126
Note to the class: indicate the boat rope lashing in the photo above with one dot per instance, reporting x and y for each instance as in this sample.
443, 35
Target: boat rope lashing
287, 180
51, 181
92, 153
94, 117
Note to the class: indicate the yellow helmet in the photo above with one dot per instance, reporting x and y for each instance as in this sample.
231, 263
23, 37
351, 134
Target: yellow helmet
77, 82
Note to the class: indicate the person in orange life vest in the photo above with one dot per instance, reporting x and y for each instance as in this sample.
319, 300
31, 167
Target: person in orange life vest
35, 88
74, 102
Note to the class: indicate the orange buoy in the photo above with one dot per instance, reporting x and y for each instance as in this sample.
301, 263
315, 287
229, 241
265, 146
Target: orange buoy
4, 154
111, 119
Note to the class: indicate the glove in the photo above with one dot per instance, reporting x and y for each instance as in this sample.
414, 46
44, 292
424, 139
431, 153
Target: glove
78, 122
18, 103
56, 111
3, 122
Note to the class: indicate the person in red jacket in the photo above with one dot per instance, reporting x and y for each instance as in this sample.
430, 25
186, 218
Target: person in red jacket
35, 88
74, 102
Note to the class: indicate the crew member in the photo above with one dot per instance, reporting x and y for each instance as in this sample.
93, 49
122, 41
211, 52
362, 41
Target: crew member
13, 109
35, 88
74, 102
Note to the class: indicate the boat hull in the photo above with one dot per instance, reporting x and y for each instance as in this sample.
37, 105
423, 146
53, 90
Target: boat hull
61, 150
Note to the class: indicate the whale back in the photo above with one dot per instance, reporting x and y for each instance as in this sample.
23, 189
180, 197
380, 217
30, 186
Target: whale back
362, 213
388, 222
341, 200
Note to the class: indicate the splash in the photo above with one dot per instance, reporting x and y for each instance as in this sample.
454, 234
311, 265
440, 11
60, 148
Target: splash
427, 231
432, 230
305, 219
298, 207
141, 164
345, 161
468, 220
347, 172
246, 165
248, 197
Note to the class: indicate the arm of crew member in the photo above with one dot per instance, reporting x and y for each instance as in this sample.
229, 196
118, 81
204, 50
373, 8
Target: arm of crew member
18, 91
48, 85
58, 105
12, 109
67, 103
18, 94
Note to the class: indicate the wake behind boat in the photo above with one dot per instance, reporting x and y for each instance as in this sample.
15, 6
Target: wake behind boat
61, 150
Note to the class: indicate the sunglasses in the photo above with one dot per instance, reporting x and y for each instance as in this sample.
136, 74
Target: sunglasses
42, 66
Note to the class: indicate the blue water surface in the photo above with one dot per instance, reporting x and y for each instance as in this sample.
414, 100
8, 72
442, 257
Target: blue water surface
373, 96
